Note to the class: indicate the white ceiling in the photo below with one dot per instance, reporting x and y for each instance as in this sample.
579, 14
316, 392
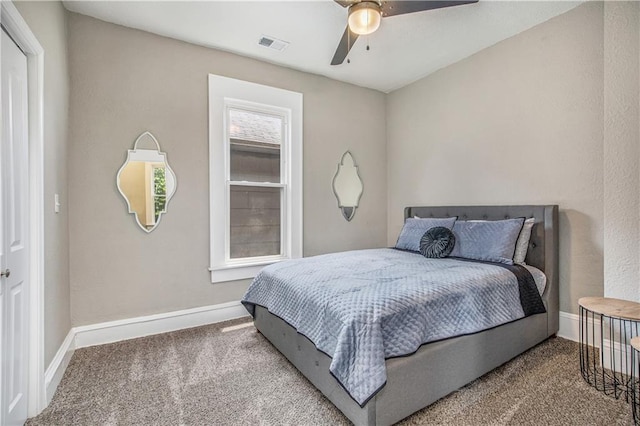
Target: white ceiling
404, 49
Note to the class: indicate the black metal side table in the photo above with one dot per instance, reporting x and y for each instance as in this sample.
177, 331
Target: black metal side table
634, 386
606, 328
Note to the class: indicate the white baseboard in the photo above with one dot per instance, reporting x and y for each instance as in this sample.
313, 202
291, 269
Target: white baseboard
611, 354
59, 363
617, 355
569, 326
131, 328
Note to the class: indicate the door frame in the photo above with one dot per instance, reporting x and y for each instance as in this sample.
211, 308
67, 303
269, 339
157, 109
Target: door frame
18, 29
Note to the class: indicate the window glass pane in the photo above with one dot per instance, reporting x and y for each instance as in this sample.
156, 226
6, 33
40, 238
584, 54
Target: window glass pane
159, 190
255, 221
255, 141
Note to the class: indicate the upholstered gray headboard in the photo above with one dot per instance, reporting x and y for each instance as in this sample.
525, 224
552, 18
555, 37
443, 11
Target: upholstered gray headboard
543, 246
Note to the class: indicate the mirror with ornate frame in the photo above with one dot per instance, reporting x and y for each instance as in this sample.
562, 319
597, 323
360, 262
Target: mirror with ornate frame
348, 186
146, 182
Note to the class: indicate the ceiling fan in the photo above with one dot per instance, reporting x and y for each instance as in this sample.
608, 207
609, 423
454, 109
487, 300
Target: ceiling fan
365, 17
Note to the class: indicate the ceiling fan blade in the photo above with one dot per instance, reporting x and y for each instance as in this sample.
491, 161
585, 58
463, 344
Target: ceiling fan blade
392, 8
345, 45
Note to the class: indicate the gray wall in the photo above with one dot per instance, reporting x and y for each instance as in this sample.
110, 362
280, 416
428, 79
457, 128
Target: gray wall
518, 123
126, 81
47, 20
621, 150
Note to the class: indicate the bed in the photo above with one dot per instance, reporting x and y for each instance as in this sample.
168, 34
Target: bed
439, 368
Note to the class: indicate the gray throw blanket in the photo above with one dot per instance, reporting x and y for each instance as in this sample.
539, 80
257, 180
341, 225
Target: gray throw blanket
362, 307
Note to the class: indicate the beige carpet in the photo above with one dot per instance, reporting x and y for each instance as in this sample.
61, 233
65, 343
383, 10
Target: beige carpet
226, 374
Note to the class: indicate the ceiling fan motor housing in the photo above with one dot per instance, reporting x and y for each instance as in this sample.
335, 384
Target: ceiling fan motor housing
365, 17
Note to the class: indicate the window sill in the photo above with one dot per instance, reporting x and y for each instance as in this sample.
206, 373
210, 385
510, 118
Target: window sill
221, 274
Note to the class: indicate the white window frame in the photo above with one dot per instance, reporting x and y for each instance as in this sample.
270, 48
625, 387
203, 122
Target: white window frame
227, 93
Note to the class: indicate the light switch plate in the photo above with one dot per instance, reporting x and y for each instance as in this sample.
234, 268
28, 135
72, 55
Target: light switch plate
56, 205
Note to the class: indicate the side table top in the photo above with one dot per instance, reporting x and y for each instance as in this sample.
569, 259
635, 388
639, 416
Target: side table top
610, 307
635, 342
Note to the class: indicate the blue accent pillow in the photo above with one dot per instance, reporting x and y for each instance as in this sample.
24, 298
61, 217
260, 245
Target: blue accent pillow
414, 229
492, 240
437, 242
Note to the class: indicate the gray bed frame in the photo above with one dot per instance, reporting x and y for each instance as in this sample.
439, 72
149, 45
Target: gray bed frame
439, 368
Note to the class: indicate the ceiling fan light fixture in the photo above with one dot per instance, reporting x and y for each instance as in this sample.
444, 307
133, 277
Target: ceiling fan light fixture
364, 17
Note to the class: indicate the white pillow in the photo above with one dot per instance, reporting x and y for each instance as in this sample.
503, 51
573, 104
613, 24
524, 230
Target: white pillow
522, 245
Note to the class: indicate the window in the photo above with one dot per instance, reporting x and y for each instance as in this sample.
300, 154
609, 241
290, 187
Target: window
255, 149
256, 185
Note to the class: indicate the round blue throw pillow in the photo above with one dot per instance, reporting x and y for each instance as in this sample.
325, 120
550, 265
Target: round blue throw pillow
437, 242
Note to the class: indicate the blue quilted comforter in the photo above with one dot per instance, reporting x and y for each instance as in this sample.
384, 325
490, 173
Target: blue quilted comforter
362, 307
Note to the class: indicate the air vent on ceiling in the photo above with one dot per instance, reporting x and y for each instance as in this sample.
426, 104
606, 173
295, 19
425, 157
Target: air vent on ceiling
273, 43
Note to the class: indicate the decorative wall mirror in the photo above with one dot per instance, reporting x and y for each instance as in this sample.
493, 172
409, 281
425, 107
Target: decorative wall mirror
347, 186
146, 182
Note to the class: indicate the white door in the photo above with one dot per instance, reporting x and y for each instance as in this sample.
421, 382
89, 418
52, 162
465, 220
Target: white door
14, 220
